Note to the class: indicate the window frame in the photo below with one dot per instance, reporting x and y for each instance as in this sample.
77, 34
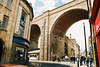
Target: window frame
8, 4
22, 23
1, 1
5, 21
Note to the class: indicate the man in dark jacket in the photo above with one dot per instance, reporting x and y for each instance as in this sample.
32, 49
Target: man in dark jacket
84, 59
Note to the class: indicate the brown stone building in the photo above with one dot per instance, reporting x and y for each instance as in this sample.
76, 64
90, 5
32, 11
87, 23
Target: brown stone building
71, 47
15, 20
76, 48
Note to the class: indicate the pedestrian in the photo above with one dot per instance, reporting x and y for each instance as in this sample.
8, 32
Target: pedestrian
91, 61
66, 57
81, 60
71, 59
74, 59
87, 60
53, 58
77, 62
84, 59
58, 59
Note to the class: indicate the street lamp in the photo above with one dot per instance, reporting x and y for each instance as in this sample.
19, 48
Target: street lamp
85, 39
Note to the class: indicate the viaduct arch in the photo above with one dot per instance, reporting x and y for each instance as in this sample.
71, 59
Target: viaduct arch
34, 36
55, 23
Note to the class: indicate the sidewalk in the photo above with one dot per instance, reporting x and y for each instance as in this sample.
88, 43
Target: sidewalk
62, 63
55, 62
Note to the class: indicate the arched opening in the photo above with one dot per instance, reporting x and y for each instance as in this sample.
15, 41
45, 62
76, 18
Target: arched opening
34, 36
1, 48
60, 27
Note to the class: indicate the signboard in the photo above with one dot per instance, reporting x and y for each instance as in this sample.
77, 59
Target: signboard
20, 41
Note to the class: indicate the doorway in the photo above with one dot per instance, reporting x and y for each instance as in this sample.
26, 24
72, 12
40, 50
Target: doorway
1, 49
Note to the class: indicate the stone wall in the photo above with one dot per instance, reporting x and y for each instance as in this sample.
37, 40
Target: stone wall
33, 45
57, 46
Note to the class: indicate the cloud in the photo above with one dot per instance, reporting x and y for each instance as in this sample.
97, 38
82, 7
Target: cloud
47, 5
66, 1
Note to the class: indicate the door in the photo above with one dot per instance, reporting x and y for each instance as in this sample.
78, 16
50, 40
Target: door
1, 49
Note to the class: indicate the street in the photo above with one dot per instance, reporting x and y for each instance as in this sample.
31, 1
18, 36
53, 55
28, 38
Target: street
47, 65
53, 64
50, 64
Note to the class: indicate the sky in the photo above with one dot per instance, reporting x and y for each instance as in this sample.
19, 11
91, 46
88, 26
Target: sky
40, 6
77, 32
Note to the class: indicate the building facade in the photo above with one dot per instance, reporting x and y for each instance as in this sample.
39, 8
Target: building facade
71, 47
76, 48
15, 20
90, 47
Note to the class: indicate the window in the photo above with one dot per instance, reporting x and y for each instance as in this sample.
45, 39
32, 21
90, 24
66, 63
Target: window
8, 5
19, 54
1, 1
22, 24
5, 22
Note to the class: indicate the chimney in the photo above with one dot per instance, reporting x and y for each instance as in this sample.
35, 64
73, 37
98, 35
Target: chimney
30, 4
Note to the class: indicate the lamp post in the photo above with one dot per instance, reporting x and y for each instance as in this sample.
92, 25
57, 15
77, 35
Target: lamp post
85, 38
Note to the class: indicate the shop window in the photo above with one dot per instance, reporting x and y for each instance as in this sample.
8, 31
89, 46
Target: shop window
5, 22
19, 54
8, 5
1, 1
22, 24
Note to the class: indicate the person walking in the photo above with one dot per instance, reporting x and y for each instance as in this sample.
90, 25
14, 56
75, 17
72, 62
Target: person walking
71, 59
84, 59
91, 61
81, 60
53, 58
87, 60
66, 58
74, 59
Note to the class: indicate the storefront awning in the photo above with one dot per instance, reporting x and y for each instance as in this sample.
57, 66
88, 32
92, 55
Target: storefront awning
34, 52
94, 11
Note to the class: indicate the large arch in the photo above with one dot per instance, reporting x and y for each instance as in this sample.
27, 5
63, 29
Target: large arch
34, 36
60, 27
68, 18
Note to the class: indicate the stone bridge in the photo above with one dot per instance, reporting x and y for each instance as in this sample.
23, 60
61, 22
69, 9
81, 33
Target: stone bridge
52, 26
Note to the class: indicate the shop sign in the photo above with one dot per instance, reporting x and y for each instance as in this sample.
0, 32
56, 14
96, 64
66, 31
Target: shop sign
20, 41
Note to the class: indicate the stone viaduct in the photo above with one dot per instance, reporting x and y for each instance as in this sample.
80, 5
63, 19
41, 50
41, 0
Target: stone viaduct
52, 26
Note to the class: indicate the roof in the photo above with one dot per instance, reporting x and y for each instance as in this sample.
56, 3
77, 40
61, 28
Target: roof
30, 7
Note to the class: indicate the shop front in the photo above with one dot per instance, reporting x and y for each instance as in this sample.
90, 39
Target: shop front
95, 20
19, 53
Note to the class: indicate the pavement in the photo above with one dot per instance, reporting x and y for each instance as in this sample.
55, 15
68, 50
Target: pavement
67, 64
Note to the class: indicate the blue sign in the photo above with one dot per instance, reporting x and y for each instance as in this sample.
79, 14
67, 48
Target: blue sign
20, 41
